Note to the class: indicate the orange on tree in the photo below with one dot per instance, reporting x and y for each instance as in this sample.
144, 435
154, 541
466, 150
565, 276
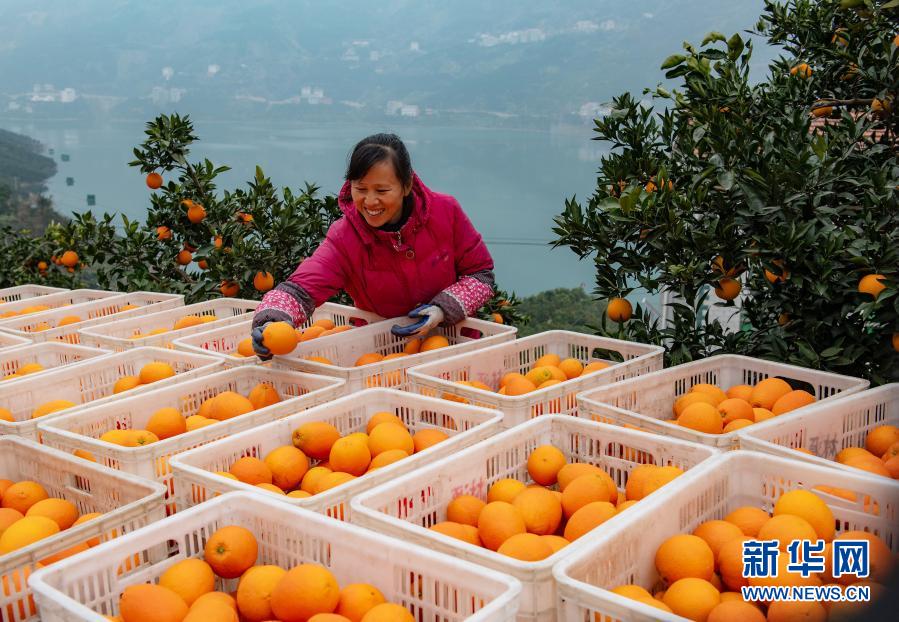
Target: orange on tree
196, 213
229, 289
619, 310
69, 259
154, 181
263, 281
183, 257
727, 289
872, 284
163, 233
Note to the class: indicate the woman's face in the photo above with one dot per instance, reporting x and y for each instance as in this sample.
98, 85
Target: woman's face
379, 195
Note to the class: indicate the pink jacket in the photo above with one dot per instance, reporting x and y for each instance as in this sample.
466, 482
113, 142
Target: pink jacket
436, 257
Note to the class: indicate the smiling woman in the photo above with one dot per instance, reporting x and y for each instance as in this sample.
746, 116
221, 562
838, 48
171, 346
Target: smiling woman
399, 248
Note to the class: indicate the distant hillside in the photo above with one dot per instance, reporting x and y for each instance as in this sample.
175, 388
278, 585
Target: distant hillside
23, 171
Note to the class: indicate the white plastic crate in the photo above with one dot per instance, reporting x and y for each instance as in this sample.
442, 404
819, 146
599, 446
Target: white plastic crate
625, 552
91, 382
195, 470
67, 299
126, 502
224, 341
49, 355
647, 401
22, 292
82, 429
123, 335
407, 506
43, 326
7, 341
432, 586
488, 365
826, 428
344, 349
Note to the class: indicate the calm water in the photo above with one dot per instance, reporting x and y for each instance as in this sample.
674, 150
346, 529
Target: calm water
511, 183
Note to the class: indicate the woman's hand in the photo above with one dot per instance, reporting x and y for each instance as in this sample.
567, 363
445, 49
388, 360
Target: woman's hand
258, 346
430, 316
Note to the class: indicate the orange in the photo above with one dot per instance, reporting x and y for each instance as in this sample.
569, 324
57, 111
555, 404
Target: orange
572, 368
465, 509
387, 457
434, 342
428, 437
633, 489
262, 395
254, 592
27, 531
4, 485
882, 561
657, 478
166, 423
619, 310
681, 403
189, 579
319, 359
809, 506
245, 347
788, 611
539, 375
768, 391
325, 323
702, 418
7, 517
312, 478
279, 337
871, 465
519, 386
351, 454
212, 610
288, 466
504, 490
388, 612
299, 494
732, 409
117, 437
526, 547
498, 522
730, 563
311, 333
72, 550
263, 281
138, 438
32, 368
740, 392
792, 401
195, 422
465, 533
333, 480
544, 464
556, 543
785, 528
228, 404
271, 488
550, 360
154, 181
711, 390
625, 505
216, 597
85, 518
749, 519
139, 600
587, 518
229, 288
155, 371
783, 577
328, 617
509, 376
125, 383
692, 598
737, 424
879, 440
382, 417
357, 599
871, 284
761, 414
683, 556
413, 346
251, 471
69, 259
595, 366
716, 533
304, 591
187, 321
6, 415
541, 510
736, 611
22, 495
572, 471
368, 358
315, 439
230, 551
847, 453
51, 407
586, 489
387, 436
62, 512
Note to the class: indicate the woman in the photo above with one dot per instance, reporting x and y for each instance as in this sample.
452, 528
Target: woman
399, 246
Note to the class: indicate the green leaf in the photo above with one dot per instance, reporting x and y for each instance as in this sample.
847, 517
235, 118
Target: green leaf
713, 36
673, 61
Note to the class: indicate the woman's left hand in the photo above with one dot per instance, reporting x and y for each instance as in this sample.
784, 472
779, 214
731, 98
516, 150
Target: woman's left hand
430, 316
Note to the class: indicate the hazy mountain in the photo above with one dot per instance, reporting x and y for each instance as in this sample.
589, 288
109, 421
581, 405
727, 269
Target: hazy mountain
526, 58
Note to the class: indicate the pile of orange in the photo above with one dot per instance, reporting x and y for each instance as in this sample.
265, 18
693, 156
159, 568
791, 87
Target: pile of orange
547, 371
307, 592
707, 408
64, 321
700, 574
415, 345
564, 502
24, 370
27, 310
28, 515
282, 338
149, 373
185, 321
880, 455
337, 459
168, 422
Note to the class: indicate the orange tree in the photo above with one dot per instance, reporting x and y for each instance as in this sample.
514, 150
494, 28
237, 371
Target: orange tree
780, 195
